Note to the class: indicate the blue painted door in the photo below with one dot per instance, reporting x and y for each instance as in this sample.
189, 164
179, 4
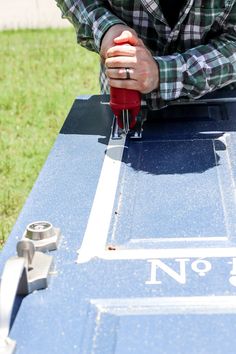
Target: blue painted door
147, 263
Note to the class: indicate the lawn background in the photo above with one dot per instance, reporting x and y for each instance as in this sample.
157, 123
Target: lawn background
41, 72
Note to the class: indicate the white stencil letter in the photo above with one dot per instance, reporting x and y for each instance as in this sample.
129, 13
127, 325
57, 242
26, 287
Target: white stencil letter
158, 264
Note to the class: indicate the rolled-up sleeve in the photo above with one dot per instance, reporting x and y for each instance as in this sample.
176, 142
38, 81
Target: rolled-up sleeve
202, 69
91, 20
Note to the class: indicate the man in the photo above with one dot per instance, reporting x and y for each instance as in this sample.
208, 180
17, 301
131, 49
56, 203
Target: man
178, 48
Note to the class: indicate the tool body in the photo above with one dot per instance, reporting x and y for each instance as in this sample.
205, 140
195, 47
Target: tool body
125, 105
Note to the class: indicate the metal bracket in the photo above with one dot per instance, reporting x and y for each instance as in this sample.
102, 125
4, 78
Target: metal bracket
25, 273
134, 133
37, 268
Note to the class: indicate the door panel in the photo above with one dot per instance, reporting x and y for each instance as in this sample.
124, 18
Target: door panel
155, 234
173, 190
117, 327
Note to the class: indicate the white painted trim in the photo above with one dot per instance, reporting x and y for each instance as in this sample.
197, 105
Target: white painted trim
178, 239
167, 305
144, 254
95, 236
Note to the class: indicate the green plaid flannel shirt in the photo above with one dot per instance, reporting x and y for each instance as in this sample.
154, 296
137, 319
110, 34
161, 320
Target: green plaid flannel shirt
196, 57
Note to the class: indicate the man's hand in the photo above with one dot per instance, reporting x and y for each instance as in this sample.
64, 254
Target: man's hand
109, 37
144, 72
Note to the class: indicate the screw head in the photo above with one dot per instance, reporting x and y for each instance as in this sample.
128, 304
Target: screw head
39, 230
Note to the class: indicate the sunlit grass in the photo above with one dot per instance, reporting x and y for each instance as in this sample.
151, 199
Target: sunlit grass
41, 72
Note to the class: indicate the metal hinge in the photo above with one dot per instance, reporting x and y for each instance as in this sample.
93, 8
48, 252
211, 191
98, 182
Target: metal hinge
25, 273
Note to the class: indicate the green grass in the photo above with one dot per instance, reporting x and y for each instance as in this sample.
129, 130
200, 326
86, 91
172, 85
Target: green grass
41, 72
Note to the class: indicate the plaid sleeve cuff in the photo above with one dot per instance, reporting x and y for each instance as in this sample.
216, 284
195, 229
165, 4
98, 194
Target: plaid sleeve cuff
171, 68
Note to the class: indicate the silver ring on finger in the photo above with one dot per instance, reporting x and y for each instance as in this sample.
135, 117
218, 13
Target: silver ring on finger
127, 71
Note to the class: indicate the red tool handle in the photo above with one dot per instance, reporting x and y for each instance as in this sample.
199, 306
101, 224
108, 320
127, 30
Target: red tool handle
124, 99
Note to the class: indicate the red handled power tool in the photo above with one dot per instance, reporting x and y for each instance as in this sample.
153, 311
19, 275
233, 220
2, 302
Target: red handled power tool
125, 105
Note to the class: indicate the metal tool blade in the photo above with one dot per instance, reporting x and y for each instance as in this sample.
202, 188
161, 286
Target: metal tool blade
125, 118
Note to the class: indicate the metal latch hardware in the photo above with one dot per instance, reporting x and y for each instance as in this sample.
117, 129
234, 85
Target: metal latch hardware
44, 236
25, 273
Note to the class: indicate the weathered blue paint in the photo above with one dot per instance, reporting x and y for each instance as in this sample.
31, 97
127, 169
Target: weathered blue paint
176, 192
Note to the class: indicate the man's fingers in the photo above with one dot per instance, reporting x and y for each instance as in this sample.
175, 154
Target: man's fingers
121, 62
119, 73
127, 37
121, 50
144, 76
